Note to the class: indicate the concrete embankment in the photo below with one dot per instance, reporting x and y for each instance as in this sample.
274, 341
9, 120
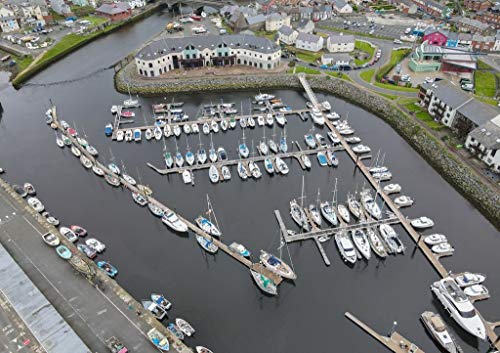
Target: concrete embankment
454, 170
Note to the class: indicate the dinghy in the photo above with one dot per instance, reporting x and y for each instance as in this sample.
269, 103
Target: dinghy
64, 252
175, 331
158, 340
185, 327
51, 239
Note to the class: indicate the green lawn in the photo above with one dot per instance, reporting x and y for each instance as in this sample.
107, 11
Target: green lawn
485, 83
268, 35
94, 20
23, 63
395, 87
306, 70
422, 114
367, 75
388, 96
489, 101
341, 75
481, 65
304, 55
396, 57
364, 47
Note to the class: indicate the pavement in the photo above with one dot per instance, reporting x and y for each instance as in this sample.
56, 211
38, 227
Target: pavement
94, 315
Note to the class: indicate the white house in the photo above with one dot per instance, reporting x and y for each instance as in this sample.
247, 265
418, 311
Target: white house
8, 21
276, 20
496, 47
484, 141
341, 7
337, 59
340, 43
60, 7
287, 35
309, 42
135, 4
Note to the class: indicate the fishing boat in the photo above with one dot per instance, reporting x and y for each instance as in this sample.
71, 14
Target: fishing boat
68, 234
391, 238
108, 268
310, 141
169, 161
64, 252
139, 199
422, 223
207, 226
158, 312
370, 205
157, 211
59, 141
468, 279
361, 149
403, 201
29, 188
254, 170
148, 134
173, 221
185, 327
114, 168
268, 165
213, 173
360, 239
354, 206
281, 166
392, 188
87, 163
190, 158
239, 249
207, 244
276, 265
161, 301
225, 173
264, 283
315, 215
438, 330
243, 150
298, 215
344, 213
322, 159
242, 171
346, 248
76, 152
97, 170
328, 213
35, 204
175, 331
376, 243
273, 147
158, 340
201, 349
442, 248
51, 239
187, 176
112, 180
179, 159
137, 135
157, 133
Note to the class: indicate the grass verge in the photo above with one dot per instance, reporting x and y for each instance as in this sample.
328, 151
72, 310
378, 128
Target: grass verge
485, 83
367, 75
306, 70
364, 47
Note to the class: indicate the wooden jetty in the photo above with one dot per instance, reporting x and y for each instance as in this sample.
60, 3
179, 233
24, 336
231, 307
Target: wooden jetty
395, 342
405, 222
254, 266
218, 164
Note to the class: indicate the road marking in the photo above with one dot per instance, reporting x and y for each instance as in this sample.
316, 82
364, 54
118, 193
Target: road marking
99, 313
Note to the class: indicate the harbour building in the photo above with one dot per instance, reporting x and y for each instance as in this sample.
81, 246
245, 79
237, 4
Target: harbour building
167, 54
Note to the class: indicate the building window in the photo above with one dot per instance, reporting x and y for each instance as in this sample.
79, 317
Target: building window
152, 73
150, 64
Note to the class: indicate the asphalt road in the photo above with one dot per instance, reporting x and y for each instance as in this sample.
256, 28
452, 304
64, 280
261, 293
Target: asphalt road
93, 315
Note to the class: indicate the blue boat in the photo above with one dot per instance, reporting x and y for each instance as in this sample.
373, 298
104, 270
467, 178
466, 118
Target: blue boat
322, 159
244, 151
283, 145
108, 130
64, 252
175, 330
110, 270
159, 340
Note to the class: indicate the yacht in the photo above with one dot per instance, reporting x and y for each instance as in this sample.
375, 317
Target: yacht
360, 239
242, 171
376, 243
438, 330
403, 201
346, 248
459, 306
468, 279
310, 141
315, 215
422, 223
354, 206
264, 283
298, 215
476, 291
434, 239
328, 213
281, 166
276, 265
207, 226
344, 213
268, 165
172, 220
443, 248
213, 173
370, 205
391, 238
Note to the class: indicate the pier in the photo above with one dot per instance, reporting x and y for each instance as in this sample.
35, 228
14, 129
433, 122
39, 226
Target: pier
405, 222
223, 247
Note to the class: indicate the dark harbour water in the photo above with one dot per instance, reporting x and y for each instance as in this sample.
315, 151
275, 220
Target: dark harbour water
215, 293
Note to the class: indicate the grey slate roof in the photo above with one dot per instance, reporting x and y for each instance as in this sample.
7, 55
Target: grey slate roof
340, 3
344, 38
113, 9
488, 135
307, 37
253, 20
478, 112
286, 30
167, 45
338, 56
474, 23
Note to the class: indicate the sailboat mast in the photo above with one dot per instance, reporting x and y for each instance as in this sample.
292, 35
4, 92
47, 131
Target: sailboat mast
334, 197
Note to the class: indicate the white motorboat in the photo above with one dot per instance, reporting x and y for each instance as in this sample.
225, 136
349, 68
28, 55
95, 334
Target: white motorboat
280, 119
221, 152
173, 221
273, 147
476, 291
333, 137
382, 176
158, 134
360, 149
360, 239
68, 234
434, 239
243, 123
201, 349
392, 188
346, 248
95, 244
206, 128
262, 147
254, 170
315, 214
207, 244
212, 155
239, 249
187, 176
322, 160
328, 213
298, 215
264, 283
318, 117
177, 130
195, 128
310, 141
169, 161
131, 103
269, 119
114, 109
391, 238
459, 306
344, 213
352, 140
422, 223
242, 171
51, 239
224, 125
261, 121
207, 226
281, 166
276, 265
370, 205
263, 97
92, 150
243, 150
157, 211
268, 165
190, 158
403, 201
321, 140
283, 145
326, 105
76, 152
137, 135
87, 163
179, 159
59, 142
167, 131
201, 156
129, 135
36, 204
225, 172
438, 330
306, 160
376, 243
185, 327
97, 170
332, 157
213, 173
139, 199
468, 279
186, 128
354, 206
251, 122
148, 134
443, 248
120, 135
114, 168
215, 126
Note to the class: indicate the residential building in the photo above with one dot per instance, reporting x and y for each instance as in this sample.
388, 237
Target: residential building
433, 8
168, 53
340, 60
136, 4
8, 22
309, 42
115, 12
257, 22
287, 35
276, 20
465, 24
80, 2
305, 13
435, 37
341, 7
482, 43
452, 40
454, 108
477, 5
490, 16
484, 142
464, 40
60, 7
305, 26
340, 43
496, 47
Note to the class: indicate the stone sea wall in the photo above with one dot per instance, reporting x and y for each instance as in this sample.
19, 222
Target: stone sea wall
458, 174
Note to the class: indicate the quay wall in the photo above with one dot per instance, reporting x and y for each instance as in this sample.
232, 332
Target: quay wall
462, 177
101, 280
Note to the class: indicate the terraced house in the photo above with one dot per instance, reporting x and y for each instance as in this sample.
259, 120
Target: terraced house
167, 54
